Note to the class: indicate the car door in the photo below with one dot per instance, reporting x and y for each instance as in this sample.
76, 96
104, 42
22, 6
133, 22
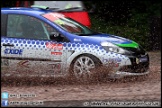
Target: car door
27, 47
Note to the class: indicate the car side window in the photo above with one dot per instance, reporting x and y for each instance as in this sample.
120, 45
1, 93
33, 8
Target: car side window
3, 24
23, 26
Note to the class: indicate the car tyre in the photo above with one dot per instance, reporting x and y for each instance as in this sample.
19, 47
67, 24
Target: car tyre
83, 67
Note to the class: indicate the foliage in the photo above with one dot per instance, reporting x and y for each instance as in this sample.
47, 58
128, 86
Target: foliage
126, 31
126, 19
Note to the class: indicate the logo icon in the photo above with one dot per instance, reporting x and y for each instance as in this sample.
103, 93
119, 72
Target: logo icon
5, 95
4, 102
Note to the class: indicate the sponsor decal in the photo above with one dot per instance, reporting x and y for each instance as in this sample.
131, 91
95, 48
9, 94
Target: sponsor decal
23, 63
54, 46
113, 64
79, 40
144, 59
56, 53
55, 66
112, 61
13, 51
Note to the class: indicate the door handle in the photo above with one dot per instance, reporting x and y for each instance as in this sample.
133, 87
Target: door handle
10, 45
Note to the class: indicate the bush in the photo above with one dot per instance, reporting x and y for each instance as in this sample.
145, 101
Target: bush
126, 19
137, 34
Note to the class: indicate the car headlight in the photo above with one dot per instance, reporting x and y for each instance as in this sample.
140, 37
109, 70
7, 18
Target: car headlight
113, 48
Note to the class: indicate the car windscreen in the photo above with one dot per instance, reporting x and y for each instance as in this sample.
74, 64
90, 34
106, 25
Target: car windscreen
69, 24
61, 5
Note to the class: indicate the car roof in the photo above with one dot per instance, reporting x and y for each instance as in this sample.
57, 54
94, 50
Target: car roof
24, 10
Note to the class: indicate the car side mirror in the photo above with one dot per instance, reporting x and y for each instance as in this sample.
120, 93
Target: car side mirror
53, 35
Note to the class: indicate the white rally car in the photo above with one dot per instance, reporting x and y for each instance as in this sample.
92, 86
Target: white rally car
43, 42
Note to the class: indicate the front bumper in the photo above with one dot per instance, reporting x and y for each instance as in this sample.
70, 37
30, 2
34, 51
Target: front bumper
121, 74
139, 66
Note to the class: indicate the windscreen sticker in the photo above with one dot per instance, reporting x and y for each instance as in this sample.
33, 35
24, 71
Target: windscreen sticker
53, 16
59, 22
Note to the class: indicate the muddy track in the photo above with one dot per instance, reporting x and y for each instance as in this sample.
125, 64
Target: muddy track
147, 88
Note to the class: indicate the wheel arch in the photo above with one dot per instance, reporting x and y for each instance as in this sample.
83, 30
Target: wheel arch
86, 54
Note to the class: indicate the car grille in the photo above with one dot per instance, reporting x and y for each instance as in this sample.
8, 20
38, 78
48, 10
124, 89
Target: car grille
135, 51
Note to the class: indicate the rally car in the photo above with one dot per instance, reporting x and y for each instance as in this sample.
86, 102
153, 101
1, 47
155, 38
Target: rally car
42, 42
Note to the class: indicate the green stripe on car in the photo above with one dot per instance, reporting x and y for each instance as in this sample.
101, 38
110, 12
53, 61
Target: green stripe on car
133, 45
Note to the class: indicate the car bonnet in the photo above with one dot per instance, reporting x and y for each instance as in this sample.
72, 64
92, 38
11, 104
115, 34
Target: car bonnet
117, 40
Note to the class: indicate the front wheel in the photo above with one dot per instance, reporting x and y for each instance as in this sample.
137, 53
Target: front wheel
83, 67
